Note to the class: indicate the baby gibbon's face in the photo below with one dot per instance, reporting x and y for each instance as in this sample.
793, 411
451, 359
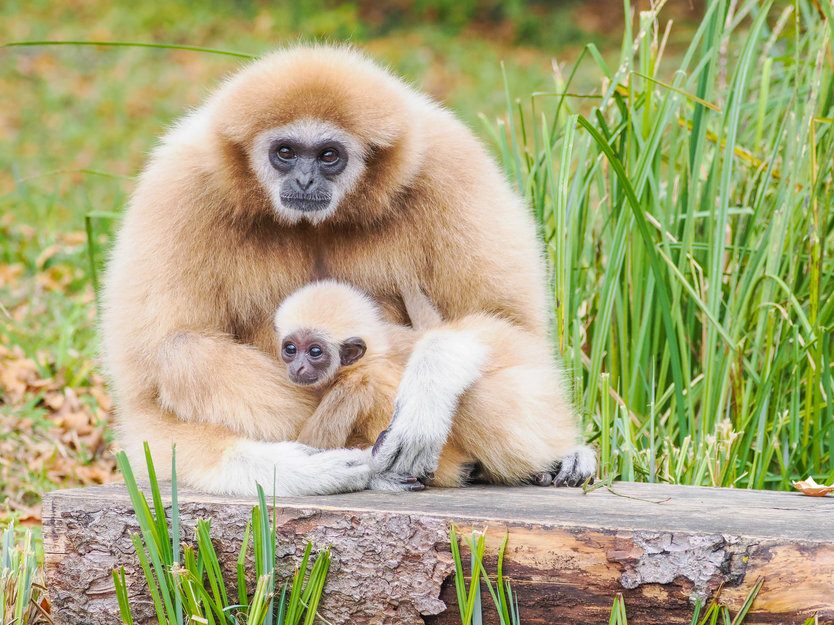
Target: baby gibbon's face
311, 358
314, 359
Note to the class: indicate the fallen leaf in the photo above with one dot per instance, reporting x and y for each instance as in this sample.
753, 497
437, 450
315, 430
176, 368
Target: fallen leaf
812, 489
45, 255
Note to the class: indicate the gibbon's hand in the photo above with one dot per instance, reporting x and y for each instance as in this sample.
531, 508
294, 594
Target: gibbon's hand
577, 466
397, 458
296, 470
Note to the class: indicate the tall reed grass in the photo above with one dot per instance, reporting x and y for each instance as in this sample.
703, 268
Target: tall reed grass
686, 213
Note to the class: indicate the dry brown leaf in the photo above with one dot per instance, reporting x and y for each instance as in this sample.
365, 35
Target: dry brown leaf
46, 254
73, 238
54, 400
9, 274
812, 489
56, 278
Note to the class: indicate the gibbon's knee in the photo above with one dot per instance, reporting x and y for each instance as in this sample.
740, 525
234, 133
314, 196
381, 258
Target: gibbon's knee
516, 422
180, 354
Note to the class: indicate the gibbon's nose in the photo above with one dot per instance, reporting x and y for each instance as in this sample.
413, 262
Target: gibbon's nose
304, 181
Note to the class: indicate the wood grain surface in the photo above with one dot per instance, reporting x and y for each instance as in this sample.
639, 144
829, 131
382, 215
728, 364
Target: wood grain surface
569, 553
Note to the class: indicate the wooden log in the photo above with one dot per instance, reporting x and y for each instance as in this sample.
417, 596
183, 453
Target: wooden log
569, 553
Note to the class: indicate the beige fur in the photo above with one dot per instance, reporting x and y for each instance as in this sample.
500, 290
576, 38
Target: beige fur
514, 421
203, 259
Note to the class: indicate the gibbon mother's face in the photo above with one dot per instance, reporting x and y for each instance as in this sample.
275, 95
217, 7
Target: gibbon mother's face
307, 168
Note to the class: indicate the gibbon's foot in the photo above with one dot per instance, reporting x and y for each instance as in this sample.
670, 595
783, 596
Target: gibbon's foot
399, 453
390, 479
395, 482
474, 474
576, 467
543, 479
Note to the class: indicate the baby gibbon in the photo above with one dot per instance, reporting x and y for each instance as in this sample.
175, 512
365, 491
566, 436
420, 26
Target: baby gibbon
334, 339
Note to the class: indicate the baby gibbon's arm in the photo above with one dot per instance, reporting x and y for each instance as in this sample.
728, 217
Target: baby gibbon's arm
350, 399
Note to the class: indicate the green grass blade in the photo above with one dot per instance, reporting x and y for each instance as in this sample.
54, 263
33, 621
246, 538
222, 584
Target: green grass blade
121, 596
163, 46
175, 527
241, 570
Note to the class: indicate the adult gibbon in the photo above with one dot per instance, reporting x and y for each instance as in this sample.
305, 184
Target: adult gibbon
312, 162
334, 339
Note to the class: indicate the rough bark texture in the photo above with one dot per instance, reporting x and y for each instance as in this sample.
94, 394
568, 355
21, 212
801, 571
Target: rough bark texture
568, 553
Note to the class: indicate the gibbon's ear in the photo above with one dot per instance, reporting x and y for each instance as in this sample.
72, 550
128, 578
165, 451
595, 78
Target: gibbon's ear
352, 350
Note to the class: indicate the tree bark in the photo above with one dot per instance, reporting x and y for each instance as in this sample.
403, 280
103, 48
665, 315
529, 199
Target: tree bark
568, 555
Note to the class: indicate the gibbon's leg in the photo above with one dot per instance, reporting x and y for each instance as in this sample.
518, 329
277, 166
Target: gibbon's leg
215, 460
578, 465
443, 365
518, 424
455, 468
210, 378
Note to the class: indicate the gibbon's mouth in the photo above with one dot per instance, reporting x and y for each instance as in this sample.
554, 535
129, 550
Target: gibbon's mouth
306, 203
303, 380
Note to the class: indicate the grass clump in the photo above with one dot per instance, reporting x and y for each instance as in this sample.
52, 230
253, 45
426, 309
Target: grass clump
188, 583
686, 213
22, 593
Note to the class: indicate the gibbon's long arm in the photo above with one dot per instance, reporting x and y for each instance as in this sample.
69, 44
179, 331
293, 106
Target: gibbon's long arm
214, 459
206, 377
443, 365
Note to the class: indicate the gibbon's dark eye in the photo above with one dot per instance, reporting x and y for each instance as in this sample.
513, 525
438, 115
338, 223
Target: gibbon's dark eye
286, 153
290, 349
329, 156
315, 351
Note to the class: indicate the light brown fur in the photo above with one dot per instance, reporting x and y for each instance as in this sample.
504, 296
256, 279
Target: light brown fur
514, 422
203, 259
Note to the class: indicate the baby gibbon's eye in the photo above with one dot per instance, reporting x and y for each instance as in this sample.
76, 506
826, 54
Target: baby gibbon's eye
290, 349
315, 351
329, 156
286, 152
